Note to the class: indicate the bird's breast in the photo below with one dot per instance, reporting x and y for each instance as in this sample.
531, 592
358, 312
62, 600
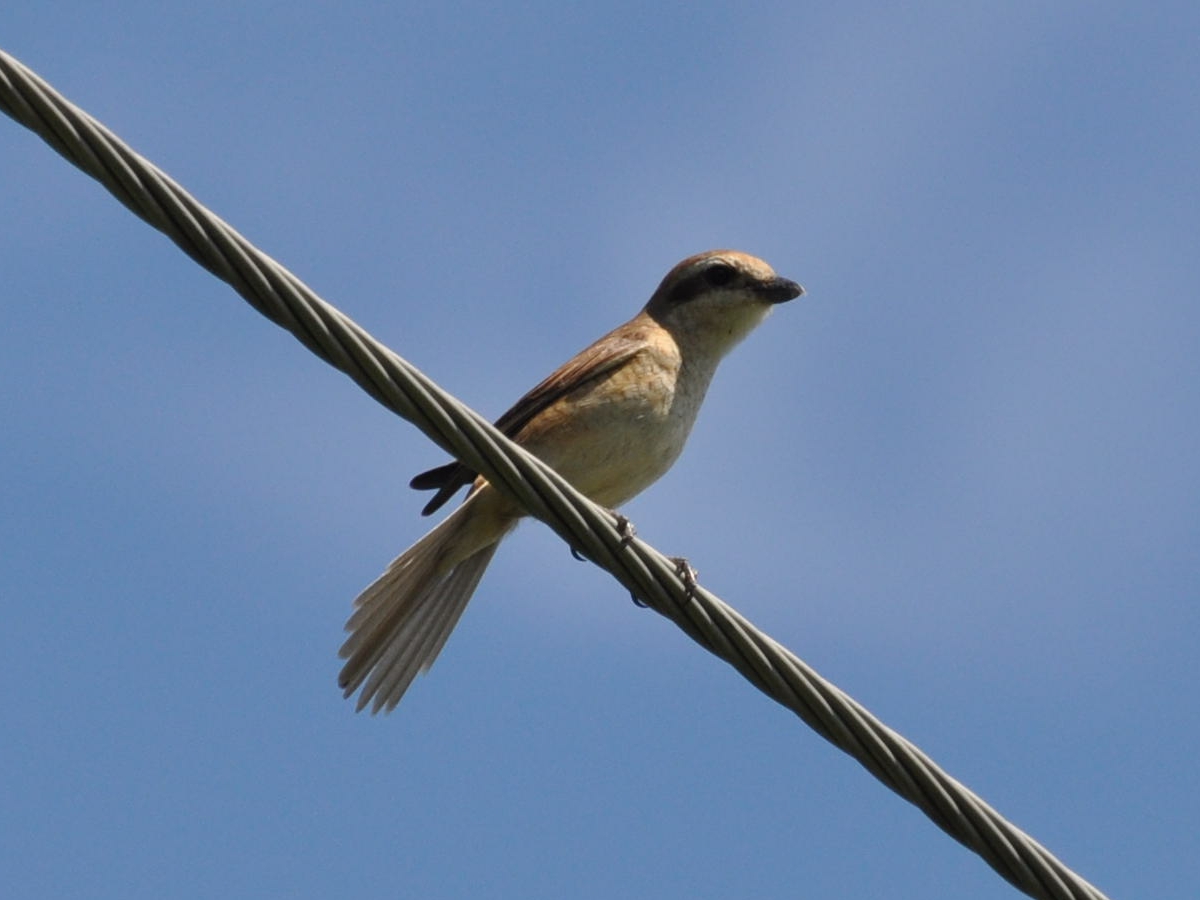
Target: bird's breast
614, 438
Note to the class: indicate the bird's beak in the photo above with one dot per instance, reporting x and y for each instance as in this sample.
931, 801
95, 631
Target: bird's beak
779, 290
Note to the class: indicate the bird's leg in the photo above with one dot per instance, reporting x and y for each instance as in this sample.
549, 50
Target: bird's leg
687, 574
624, 528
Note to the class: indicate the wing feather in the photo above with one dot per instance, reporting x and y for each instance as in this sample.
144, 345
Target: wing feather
597, 361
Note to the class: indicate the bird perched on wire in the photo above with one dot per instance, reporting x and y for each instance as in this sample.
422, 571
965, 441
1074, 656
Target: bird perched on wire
611, 421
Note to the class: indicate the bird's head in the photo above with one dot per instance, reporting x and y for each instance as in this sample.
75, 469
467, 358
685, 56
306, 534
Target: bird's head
712, 300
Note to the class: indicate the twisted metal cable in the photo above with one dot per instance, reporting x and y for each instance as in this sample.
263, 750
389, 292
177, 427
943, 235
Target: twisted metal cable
652, 577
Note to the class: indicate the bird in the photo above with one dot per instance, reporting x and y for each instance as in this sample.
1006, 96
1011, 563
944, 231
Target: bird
611, 421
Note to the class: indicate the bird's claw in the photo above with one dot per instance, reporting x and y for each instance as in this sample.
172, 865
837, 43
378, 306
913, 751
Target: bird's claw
687, 574
625, 529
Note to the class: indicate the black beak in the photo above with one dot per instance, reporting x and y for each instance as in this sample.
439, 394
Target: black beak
779, 290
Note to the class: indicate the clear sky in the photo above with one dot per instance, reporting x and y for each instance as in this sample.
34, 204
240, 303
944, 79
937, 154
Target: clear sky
961, 477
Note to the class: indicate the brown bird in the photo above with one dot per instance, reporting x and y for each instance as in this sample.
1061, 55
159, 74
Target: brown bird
611, 421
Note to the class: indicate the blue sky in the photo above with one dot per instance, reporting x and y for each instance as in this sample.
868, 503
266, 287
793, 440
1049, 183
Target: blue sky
959, 477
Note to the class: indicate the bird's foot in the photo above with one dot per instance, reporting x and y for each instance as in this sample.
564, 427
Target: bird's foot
625, 529
687, 574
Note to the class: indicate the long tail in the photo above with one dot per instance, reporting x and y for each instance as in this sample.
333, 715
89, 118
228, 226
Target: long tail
402, 620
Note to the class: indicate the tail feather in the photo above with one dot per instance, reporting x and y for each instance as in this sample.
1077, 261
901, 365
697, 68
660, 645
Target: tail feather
416, 642
402, 620
388, 597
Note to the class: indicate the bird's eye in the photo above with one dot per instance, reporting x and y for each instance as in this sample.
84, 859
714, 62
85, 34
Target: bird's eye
719, 274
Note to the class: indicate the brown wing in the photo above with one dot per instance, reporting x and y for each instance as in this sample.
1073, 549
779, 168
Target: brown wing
595, 362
